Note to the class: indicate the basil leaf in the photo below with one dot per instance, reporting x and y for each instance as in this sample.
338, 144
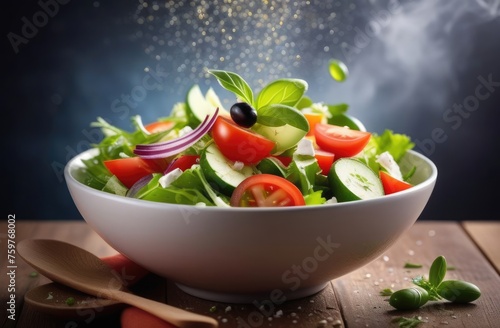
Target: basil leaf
338, 109
278, 115
304, 102
283, 91
437, 271
234, 83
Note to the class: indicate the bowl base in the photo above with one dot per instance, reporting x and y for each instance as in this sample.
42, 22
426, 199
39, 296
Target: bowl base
249, 298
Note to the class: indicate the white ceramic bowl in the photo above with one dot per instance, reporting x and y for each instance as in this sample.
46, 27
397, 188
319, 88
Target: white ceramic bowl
241, 254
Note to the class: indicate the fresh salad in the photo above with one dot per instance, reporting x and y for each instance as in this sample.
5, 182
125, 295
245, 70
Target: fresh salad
277, 147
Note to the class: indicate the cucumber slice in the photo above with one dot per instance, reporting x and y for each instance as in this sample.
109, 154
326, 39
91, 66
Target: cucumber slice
351, 179
199, 105
220, 171
285, 136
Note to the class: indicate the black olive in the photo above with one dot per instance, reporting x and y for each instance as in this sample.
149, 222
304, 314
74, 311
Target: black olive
243, 114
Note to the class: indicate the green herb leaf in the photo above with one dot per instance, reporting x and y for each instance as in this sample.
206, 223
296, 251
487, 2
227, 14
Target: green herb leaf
234, 83
437, 271
283, 91
409, 265
430, 288
315, 198
278, 115
408, 322
386, 292
70, 301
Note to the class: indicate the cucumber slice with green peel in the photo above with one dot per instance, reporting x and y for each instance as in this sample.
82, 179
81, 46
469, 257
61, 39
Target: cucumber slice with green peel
199, 105
221, 172
285, 136
351, 179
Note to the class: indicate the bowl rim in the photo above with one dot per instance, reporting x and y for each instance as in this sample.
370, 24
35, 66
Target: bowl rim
76, 162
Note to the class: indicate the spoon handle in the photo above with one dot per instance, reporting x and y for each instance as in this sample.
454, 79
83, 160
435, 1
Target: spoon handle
173, 315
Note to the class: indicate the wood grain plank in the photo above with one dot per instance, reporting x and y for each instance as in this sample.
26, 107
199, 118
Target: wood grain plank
486, 234
311, 311
358, 292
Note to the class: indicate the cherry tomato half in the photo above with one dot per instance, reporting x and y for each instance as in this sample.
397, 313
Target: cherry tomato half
240, 144
129, 170
184, 162
156, 127
341, 141
266, 190
392, 184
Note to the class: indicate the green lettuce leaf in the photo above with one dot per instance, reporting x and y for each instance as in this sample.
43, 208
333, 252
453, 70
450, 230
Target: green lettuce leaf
394, 143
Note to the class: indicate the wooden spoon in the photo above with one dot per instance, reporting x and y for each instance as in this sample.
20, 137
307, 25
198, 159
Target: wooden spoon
74, 267
52, 299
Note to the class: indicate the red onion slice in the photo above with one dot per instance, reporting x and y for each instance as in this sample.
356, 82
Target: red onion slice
173, 147
132, 192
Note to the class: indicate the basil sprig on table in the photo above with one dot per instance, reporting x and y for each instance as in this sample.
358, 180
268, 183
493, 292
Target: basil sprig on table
434, 288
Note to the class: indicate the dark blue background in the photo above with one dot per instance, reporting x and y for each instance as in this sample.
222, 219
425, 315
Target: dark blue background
86, 57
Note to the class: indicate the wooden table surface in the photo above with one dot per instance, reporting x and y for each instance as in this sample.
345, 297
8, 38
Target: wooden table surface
472, 248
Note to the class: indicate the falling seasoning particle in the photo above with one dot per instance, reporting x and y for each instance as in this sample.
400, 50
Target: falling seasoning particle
33, 274
213, 309
338, 70
228, 309
50, 296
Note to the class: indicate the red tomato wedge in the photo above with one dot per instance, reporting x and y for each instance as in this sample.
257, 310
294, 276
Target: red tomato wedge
341, 141
129, 170
184, 162
240, 144
266, 190
285, 160
156, 127
325, 160
392, 184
